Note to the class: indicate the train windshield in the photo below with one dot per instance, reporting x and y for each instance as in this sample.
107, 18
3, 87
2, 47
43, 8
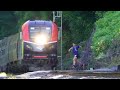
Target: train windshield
38, 31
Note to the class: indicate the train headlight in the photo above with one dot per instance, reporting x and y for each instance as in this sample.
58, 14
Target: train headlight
28, 46
41, 39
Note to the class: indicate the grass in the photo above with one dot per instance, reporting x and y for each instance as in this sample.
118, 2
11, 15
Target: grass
7, 75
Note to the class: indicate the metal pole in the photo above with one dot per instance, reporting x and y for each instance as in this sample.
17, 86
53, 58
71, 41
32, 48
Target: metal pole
59, 15
61, 43
53, 16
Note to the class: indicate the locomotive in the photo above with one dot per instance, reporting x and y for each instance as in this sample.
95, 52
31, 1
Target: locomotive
37, 42
40, 39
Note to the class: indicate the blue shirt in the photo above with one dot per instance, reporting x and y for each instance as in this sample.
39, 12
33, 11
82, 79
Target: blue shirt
75, 50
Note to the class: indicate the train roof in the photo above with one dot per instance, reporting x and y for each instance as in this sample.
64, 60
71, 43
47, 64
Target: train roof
39, 22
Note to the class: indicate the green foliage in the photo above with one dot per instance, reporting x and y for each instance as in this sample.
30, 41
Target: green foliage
8, 23
99, 14
115, 61
107, 28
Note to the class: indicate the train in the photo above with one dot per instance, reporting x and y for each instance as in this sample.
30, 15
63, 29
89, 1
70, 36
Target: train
37, 41
40, 39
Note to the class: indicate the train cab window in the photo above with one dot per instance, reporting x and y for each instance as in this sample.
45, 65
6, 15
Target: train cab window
35, 31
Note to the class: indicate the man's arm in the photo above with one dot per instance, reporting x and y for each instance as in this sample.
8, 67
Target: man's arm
70, 49
79, 46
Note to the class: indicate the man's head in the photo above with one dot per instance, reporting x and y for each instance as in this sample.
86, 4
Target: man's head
74, 44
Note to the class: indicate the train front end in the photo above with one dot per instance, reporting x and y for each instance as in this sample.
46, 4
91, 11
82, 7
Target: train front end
40, 40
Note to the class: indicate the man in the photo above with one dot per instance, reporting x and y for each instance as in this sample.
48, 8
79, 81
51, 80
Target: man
74, 49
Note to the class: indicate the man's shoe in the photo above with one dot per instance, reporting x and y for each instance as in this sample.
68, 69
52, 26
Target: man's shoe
74, 66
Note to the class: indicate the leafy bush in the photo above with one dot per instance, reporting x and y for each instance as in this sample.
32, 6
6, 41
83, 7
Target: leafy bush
107, 28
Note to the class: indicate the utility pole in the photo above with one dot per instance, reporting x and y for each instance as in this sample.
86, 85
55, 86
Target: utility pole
58, 15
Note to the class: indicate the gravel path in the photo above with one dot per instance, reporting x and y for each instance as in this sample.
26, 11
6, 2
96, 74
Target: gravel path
68, 75
65, 74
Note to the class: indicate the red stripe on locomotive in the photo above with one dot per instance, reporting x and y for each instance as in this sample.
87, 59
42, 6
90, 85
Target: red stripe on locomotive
25, 31
54, 32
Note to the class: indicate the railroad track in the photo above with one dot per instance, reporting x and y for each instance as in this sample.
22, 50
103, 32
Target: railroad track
69, 74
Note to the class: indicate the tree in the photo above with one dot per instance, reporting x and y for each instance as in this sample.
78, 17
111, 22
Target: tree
8, 23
